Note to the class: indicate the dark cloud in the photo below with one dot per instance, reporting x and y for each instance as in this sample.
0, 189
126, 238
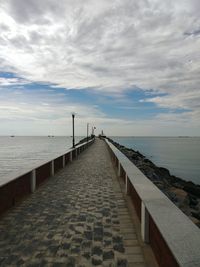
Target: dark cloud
193, 33
34, 11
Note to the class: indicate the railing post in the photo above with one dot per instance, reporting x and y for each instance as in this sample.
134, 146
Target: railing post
52, 167
33, 180
127, 185
71, 158
119, 169
144, 224
115, 158
63, 160
76, 152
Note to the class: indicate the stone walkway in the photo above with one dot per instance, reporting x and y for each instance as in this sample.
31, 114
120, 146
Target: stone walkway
77, 218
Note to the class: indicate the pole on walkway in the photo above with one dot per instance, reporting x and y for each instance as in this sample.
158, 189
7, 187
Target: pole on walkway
87, 130
73, 141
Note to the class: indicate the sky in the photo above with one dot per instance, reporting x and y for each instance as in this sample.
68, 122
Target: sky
127, 67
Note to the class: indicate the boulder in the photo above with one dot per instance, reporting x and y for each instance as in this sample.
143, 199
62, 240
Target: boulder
192, 189
192, 200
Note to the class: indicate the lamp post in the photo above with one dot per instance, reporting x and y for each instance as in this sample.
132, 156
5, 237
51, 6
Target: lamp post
73, 141
87, 130
93, 128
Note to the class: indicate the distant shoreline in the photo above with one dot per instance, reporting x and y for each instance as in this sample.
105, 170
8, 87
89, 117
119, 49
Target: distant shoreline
184, 194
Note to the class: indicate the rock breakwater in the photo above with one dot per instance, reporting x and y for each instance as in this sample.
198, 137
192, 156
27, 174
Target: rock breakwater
184, 194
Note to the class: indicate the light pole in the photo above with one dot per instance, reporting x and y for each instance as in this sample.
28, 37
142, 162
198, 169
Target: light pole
93, 128
73, 141
87, 130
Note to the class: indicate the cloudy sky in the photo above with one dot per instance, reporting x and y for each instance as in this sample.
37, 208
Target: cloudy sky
128, 67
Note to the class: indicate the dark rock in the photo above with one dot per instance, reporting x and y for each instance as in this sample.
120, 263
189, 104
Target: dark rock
196, 214
163, 172
162, 178
194, 208
198, 224
192, 188
20, 262
171, 195
177, 185
148, 163
192, 200
140, 155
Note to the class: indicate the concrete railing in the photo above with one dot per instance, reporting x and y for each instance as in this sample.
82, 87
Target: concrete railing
18, 184
174, 238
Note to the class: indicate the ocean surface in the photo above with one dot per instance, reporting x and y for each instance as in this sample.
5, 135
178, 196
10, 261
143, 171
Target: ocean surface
18, 153
180, 155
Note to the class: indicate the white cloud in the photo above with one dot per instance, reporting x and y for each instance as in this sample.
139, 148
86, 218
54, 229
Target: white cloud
12, 81
106, 45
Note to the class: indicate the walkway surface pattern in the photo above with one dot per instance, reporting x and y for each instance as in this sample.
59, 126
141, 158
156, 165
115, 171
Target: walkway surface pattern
77, 218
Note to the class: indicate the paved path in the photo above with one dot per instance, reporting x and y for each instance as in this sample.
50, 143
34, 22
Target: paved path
77, 218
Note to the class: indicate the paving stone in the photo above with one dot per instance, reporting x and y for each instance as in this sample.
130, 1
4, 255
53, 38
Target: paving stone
133, 250
96, 260
97, 251
127, 230
130, 242
134, 258
122, 263
136, 264
129, 236
108, 255
119, 247
117, 239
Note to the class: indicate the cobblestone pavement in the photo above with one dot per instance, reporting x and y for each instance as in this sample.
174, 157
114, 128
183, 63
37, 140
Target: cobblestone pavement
77, 218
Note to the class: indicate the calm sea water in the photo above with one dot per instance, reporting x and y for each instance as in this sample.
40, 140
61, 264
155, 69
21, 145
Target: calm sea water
17, 153
181, 155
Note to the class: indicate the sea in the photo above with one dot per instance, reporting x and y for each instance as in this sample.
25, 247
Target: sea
181, 155
22, 152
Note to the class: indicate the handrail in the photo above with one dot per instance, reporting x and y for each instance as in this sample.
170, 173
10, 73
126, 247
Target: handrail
169, 231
